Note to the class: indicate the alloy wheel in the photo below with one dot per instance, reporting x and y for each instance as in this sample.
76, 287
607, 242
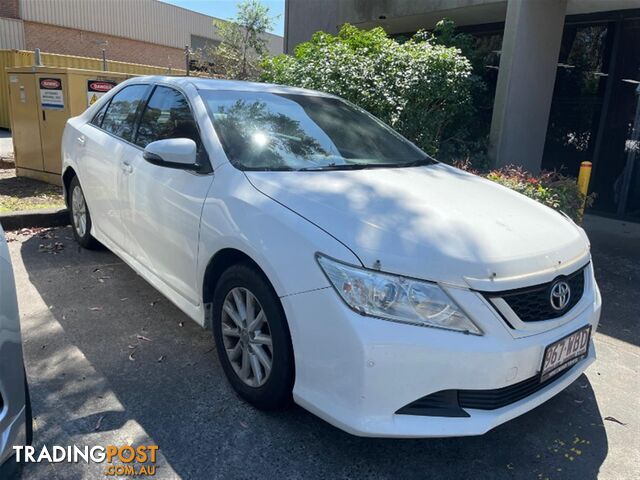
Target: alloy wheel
79, 211
247, 337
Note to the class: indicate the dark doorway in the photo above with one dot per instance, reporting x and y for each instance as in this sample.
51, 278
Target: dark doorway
578, 97
616, 176
594, 108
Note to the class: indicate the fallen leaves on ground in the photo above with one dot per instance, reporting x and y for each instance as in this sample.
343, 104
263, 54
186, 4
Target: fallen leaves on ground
614, 420
98, 423
51, 247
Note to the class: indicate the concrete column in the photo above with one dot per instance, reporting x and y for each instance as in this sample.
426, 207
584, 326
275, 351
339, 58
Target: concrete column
528, 63
302, 18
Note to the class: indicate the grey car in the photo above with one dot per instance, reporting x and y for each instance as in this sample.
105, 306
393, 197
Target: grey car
15, 405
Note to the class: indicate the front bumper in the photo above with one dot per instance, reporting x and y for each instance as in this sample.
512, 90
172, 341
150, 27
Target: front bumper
356, 372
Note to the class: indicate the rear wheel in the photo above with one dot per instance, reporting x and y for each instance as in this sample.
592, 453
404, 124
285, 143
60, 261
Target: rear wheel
252, 338
80, 216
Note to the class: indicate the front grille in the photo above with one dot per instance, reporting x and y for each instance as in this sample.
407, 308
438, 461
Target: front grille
532, 304
450, 403
501, 397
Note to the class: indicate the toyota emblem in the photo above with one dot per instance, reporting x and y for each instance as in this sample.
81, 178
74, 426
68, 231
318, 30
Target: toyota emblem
560, 295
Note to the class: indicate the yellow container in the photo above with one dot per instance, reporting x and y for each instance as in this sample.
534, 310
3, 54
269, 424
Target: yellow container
41, 99
24, 58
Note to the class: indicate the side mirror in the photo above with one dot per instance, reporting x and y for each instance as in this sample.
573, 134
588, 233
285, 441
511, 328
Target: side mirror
172, 153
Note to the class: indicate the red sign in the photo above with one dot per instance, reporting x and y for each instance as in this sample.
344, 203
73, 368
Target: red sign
50, 83
97, 86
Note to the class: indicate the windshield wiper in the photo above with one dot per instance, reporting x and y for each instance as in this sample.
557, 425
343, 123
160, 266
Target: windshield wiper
420, 163
416, 163
347, 166
362, 166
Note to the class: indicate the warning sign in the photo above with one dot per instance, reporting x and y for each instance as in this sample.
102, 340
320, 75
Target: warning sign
97, 88
51, 95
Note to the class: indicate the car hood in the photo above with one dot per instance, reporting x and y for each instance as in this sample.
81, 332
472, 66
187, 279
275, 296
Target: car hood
435, 222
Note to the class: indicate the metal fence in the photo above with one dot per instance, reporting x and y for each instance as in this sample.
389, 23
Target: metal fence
24, 58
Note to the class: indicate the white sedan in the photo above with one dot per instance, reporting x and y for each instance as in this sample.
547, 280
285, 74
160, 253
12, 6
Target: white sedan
336, 263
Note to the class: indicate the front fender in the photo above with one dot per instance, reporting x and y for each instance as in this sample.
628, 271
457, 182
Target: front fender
282, 243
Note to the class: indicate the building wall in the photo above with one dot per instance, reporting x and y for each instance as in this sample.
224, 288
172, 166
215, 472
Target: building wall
304, 17
149, 21
69, 41
11, 34
10, 8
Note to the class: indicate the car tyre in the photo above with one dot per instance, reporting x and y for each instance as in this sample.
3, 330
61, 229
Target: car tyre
252, 338
80, 216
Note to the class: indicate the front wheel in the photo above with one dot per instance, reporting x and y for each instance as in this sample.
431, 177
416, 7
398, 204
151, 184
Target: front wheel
252, 338
80, 216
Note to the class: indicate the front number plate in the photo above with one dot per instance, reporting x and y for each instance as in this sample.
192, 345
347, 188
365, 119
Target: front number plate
565, 353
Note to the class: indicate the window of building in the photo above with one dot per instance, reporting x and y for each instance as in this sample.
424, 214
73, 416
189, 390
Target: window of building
583, 68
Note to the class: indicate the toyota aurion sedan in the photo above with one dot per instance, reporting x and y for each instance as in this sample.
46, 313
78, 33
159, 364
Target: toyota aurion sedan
337, 264
15, 406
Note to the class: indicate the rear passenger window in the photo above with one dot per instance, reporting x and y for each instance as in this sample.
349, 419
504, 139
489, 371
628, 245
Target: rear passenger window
167, 115
98, 117
120, 116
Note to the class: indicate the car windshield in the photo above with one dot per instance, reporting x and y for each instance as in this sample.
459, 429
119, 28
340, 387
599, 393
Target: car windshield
276, 131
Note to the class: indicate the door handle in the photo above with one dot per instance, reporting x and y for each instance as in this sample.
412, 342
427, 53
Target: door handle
81, 140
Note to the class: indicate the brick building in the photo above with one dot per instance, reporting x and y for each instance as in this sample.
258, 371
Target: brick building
139, 31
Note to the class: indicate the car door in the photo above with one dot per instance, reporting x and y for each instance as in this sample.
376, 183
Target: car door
162, 217
101, 144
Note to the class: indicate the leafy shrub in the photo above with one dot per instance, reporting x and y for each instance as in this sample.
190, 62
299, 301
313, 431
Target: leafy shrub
549, 188
418, 87
242, 44
423, 87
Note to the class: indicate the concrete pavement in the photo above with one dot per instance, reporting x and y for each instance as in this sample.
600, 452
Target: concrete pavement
110, 361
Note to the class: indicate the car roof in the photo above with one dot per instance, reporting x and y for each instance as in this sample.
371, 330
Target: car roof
237, 85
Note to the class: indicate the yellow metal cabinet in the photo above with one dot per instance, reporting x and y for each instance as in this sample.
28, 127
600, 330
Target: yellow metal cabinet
25, 124
41, 99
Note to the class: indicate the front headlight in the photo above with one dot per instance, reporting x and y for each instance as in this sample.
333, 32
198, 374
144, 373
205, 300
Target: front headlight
395, 298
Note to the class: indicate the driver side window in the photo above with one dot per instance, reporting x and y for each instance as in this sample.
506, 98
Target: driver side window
167, 115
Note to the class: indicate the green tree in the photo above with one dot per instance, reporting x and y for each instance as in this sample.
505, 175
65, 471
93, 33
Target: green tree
243, 44
418, 87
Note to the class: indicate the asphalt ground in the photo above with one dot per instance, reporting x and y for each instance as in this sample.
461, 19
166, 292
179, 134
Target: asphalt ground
110, 361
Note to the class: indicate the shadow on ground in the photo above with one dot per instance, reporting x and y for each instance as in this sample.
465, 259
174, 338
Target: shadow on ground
615, 247
21, 193
172, 385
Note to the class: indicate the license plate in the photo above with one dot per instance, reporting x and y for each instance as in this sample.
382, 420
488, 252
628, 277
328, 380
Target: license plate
565, 353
